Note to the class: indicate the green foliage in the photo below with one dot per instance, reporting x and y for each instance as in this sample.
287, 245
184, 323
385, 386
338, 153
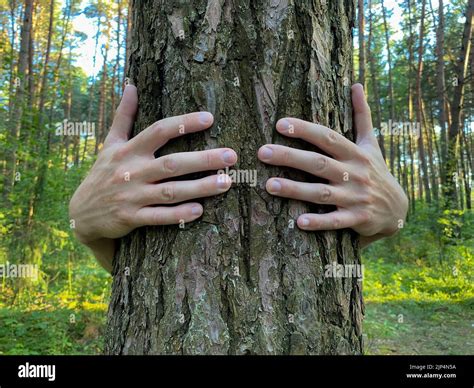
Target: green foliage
50, 331
63, 311
421, 283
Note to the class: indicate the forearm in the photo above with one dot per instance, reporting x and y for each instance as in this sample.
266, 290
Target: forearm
103, 250
366, 241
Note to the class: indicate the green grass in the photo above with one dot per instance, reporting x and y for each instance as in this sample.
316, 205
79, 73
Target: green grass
419, 288
50, 331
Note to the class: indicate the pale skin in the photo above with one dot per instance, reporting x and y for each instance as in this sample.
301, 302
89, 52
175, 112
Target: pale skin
123, 191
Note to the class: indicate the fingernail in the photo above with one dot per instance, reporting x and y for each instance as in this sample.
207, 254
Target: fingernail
228, 157
196, 210
284, 125
275, 186
205, 117
304, 222
266, 153
223, 181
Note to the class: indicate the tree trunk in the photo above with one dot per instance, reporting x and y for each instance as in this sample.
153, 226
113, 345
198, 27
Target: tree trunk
456, 110
92, 88
411, 141
441, 85
465, 169
17, 108
419, 108
127, 39
393, 154
243, 279
374, 82
361, 18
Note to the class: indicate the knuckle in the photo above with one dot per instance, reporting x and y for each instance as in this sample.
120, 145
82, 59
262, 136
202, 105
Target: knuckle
167, 193
336, 222
364, 159
331, 136
169, 165
365, 217
325, 195
157, 126
364, 178
367, 199
321, 163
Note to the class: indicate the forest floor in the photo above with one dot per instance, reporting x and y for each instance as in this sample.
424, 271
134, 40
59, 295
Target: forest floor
418, 292
427, 328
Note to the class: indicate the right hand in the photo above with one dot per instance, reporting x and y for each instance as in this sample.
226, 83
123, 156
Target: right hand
123, 190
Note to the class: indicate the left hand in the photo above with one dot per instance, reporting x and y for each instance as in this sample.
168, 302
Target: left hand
368, 198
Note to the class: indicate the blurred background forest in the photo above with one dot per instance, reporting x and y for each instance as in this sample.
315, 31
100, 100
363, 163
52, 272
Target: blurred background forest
62, 70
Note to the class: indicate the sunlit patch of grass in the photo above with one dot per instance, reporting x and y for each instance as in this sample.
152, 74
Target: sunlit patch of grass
52, 331
419, 288
66, 317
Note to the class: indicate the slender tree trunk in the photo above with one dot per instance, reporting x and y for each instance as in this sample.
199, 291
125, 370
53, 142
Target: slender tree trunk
419, 108
91, 90
410, 106
128, 37
390, 88
456, 110
101, 122
19, 101
44, 79
465, 169
406, 186
243, 279
44, 139
31, 77
375, 83
441, 86
431, 155
361, 16
116, 67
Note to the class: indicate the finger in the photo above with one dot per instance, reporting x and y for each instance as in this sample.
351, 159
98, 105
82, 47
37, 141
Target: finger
340, 219
326, 139
175, 192
163, 215
124, 117
188, 162
309, 192
362, 115
159, 133
311, 162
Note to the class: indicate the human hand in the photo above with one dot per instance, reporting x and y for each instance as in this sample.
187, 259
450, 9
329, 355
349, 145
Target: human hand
368, 198
123, 187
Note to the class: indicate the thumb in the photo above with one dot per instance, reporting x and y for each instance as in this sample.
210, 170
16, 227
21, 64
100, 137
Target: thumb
124, 116
362, 115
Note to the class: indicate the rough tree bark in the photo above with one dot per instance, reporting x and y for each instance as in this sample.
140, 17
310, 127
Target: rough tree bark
243, 279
